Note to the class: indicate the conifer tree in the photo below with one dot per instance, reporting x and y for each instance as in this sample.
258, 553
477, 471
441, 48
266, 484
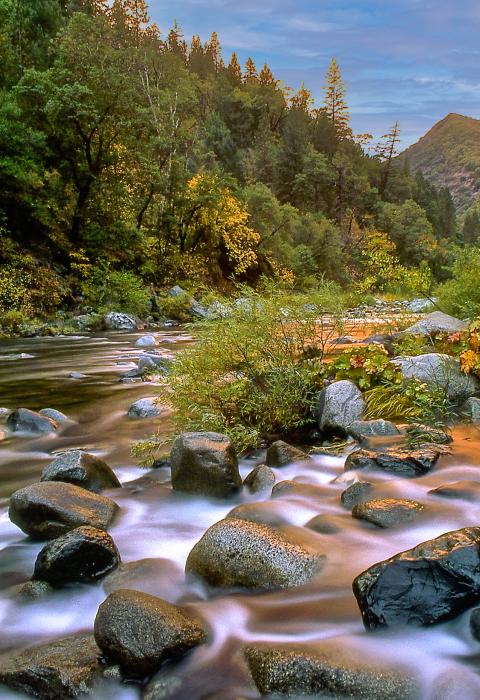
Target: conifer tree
176, 42
302, 100
386, 151
266, 76
215, 51
234, 69
334, 102
250, 74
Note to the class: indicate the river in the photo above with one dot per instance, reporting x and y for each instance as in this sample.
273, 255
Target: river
162, 526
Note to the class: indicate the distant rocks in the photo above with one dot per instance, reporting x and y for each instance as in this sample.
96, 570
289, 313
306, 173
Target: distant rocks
146, 341
437, 322
82, 555
434, 581
82, 469
413, 463
117, 321
205, 464
144, 408
23, 420
387, 512
239, 553
139, 631
50, 509
338, 406
280, 453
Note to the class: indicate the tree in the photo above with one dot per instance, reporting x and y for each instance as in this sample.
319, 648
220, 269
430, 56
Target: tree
334, 100
386, 151
302, 99
266, 77
234, 69
410, 230
215, 51
471, 228
250, 75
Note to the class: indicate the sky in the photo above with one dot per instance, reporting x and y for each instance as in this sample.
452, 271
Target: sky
408, 60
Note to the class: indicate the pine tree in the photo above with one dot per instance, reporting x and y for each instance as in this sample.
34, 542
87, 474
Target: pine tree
266, 76
176, 42
302, 100
386, 151
250, 75
471, 228
234, 69
215, 51
334, 100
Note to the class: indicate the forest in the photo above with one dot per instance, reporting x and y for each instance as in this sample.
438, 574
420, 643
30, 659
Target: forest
132, 161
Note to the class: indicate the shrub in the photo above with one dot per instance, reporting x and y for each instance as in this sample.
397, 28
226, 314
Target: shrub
460, 296
366, 366
178, 307
255, 371
116, 290
13, 321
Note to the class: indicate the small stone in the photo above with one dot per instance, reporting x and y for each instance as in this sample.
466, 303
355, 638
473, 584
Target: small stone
387, 512
144, 408
324, 525
82, 469
55, 415
280, 453
356, 493
77, 375
260, 479
364, 429
146, 341
33, 590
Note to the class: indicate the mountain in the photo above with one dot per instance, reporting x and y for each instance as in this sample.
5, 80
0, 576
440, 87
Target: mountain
449, 156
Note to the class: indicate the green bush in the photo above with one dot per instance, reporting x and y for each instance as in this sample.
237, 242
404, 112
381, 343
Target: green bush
177, 307
116, 290
255, 371
460, 296
13, 321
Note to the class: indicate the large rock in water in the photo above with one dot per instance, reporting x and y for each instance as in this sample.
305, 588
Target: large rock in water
49, 509
437, 322
144, 408
117, 321
413, 463
82, 469
280, 453
261, 478
81, 555
241, 553
206, 464
434, 581
22, 420
439, 372
55, 670
338, 406
140, 631
387, 512
325, 671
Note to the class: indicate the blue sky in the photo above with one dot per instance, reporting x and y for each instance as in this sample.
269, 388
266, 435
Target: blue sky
411, 60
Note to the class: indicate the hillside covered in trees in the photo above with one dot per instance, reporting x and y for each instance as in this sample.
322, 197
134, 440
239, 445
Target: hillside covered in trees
132, 158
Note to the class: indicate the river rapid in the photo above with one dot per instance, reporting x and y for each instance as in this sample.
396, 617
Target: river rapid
162, 526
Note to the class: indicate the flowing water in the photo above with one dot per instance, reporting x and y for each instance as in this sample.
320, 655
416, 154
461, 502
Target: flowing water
161, 527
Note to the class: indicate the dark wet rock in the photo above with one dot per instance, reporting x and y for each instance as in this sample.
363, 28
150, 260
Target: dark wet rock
82, 555
426, 434
205, 464
146, 341
117, 321
33, 590
144, 408
356, 493
260, 479
140, 631
49, 509
264, 513
22, 420
159, 577
338, 406
456, 684
54, 415
471, 409
441, 373
466, 490
236, 553
280, 453
324, 671
387, 512
324, 524
432, 582
475, 623
412, 463
82, 469
437, 322
54, 670
364, 429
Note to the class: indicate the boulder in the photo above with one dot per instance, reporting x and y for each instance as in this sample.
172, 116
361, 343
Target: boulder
417, 306
325, 671
238, 553
151, 362
260, 479
140, 631
471, 409
82, 555
205, 464
432, 582
54, 415
49, 509
195, 308
22, 420
441, 373
420, 433
280, 453
144, 408
413, 463
356, 493
437, 322
338, 406
82, 469
146, 341
362, 430
387, 512
117, 321
466, 490
55, 670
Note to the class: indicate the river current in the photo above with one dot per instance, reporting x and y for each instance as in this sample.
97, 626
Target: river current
160, 526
